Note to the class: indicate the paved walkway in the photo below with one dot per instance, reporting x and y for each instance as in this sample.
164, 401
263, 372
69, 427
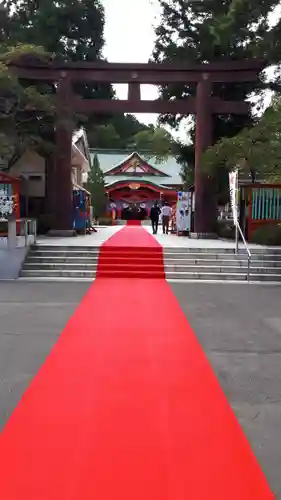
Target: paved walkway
88, 240
130, 408
167, 241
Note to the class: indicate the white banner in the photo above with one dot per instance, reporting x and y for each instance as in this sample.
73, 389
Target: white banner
233, 192
183, 215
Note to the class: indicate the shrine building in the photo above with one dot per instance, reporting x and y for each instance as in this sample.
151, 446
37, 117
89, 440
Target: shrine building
135, 181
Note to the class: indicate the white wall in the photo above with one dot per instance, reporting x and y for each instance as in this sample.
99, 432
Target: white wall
31, 164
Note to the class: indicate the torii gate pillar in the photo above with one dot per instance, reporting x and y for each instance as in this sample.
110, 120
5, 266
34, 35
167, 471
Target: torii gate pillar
63, 223
205, 205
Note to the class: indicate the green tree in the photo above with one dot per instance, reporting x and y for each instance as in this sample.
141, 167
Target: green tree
255, 151
117, 132
127, 126
96, 187
25, 111
192, 31
71, 31
157, 142
104, 136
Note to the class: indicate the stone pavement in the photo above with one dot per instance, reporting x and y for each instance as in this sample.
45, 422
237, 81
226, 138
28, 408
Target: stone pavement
170, 240
93, 239
239, 329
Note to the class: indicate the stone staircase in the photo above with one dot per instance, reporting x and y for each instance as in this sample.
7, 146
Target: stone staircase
61, 262
74, 262
222, 264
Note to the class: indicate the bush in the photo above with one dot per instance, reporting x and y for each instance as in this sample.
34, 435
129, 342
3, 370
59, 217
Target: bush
225, 229
267, 235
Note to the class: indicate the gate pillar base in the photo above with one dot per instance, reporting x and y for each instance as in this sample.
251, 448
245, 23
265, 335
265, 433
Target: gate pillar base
203, 236
62, 233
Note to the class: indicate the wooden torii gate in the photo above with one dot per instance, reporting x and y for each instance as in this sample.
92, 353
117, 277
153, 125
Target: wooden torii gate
203, 105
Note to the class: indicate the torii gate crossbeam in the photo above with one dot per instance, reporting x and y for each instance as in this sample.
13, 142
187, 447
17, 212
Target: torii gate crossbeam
204, 105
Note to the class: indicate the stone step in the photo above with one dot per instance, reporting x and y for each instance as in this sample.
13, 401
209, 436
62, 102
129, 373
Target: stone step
209, 276
65, 248
61, 260
63, 253
59, 266
221, 269
201, 255
140, 274
195, 276
220, 250
53, 273
198, 250
150, 268
222, 257
207, 262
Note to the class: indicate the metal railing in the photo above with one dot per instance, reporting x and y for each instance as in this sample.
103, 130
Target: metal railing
238, 231
18, 232
28, 228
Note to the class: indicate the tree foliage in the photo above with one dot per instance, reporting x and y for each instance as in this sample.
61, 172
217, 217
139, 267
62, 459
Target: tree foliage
116, 133
156, 141
70, 31
96, 187
255, 151
192, 31
26, 112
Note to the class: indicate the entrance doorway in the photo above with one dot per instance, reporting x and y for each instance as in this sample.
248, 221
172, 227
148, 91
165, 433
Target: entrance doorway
134, 212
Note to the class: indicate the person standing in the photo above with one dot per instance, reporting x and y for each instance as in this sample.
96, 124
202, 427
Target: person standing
166, 214
154, 217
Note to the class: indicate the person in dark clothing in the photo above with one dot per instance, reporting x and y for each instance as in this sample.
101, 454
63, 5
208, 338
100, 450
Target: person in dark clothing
154, 217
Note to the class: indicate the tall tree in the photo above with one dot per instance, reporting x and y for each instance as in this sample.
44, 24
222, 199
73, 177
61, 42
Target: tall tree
25, 112
116, 133
71, 31
155, 141
96, 187
193, 31
254, 151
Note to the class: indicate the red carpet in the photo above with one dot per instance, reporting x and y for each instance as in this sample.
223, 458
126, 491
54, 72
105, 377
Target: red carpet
131, 253
133, 223
127, 407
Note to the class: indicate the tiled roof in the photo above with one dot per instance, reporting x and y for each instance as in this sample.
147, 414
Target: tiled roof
109, 159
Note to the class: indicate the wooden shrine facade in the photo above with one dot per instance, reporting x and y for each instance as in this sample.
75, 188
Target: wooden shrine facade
204, 105
137, 181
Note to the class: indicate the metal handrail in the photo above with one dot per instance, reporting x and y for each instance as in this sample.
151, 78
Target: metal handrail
239, 230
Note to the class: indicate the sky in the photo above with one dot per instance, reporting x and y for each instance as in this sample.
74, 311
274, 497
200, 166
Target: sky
129, 35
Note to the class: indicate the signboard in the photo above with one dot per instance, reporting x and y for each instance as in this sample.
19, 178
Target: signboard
183, 213
233, 194
7, 203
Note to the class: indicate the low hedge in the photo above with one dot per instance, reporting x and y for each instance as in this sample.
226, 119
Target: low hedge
267, 235
225, 229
